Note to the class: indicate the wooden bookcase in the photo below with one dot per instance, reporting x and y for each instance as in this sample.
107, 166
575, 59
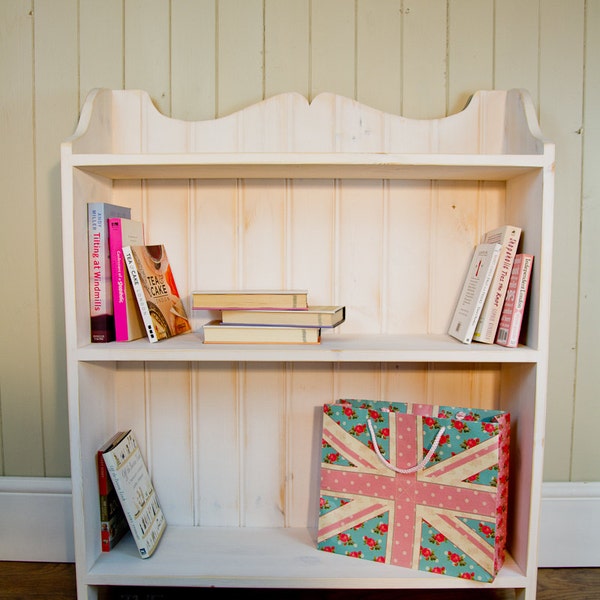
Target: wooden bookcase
362, 208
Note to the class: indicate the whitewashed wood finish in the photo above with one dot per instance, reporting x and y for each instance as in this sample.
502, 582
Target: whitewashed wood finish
231, 434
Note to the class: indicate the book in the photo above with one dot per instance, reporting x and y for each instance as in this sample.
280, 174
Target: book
475, 288
157, 296
101, 298
314, 316
250, 299
129, 324
508, 236
511, 319
128, 472
113, 523
216, 332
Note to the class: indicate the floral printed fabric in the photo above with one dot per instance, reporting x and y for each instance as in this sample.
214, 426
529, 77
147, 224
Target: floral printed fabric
447, 518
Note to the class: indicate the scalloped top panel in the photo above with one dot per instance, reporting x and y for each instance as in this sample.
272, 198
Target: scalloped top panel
127, 122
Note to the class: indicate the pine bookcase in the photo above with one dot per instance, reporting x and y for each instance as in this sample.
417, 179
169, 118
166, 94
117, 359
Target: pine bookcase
371, 210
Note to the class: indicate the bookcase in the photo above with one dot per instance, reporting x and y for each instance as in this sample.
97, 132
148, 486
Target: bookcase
371, 210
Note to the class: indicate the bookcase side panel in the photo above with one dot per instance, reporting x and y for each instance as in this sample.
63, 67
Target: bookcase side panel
96, 423
520, 396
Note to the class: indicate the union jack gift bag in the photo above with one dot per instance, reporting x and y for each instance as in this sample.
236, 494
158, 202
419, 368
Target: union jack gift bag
413, 485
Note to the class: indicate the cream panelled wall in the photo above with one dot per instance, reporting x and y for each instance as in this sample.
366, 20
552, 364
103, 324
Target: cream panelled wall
204, 58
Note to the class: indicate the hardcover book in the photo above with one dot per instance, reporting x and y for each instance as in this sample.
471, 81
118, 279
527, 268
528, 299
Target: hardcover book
474, 290
508, 236
250, 299
128, 319
152, 279
314, 316
137, 495
113, 523
101, 298
216, 332
511, 319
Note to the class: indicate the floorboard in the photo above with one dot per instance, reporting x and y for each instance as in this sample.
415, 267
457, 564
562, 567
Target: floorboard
56, 581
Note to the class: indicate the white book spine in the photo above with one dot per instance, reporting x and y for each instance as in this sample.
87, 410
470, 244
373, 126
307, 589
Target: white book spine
139, 293
474, 291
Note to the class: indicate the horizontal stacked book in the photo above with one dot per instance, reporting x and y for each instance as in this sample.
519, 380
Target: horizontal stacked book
265, 317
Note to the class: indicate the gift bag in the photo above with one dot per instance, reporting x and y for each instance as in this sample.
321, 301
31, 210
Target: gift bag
419, 486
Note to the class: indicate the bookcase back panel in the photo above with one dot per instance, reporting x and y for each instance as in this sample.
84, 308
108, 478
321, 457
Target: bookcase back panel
237, 444
393, 252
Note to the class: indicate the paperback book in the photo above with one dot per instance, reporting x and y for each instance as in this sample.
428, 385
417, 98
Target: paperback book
136, 492
113, 523
513, 311
508, 237
250, 299
474, 290
216, 332
314, 316
152, 279
129, 324
101, 297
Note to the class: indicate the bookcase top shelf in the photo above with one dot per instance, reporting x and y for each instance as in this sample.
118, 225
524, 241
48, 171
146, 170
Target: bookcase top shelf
309, 166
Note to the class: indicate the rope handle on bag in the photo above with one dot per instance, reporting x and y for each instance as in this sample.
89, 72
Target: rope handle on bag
418, 467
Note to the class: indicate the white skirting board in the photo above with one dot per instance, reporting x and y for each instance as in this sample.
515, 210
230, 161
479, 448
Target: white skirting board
36, 522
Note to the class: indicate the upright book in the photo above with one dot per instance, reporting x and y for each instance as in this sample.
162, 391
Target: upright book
136, 492
101, 298
314, 316
511, 319
250, 299
113, 523
152, 279
128, 319
216, 332
508, 237
474, 290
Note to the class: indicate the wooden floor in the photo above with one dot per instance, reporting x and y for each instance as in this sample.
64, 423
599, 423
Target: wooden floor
56, 581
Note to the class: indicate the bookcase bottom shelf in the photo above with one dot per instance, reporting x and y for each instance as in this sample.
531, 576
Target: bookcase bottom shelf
264, 558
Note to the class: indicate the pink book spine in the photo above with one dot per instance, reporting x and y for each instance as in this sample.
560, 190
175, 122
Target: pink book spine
117, 265
511, 319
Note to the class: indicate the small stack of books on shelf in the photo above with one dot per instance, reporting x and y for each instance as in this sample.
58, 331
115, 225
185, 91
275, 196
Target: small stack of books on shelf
265, 317
491, 304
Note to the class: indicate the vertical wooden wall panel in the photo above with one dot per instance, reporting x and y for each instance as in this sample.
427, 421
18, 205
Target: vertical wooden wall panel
516, 44
100, 45
587, 408
56, 105
20, 393
378, 54
287, 68
148, 50
470, 50
424, 59
193, 65
240, 76
332, 52
561, 98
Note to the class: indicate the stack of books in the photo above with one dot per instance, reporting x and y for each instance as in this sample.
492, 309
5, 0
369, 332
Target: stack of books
265, 317
491, 305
